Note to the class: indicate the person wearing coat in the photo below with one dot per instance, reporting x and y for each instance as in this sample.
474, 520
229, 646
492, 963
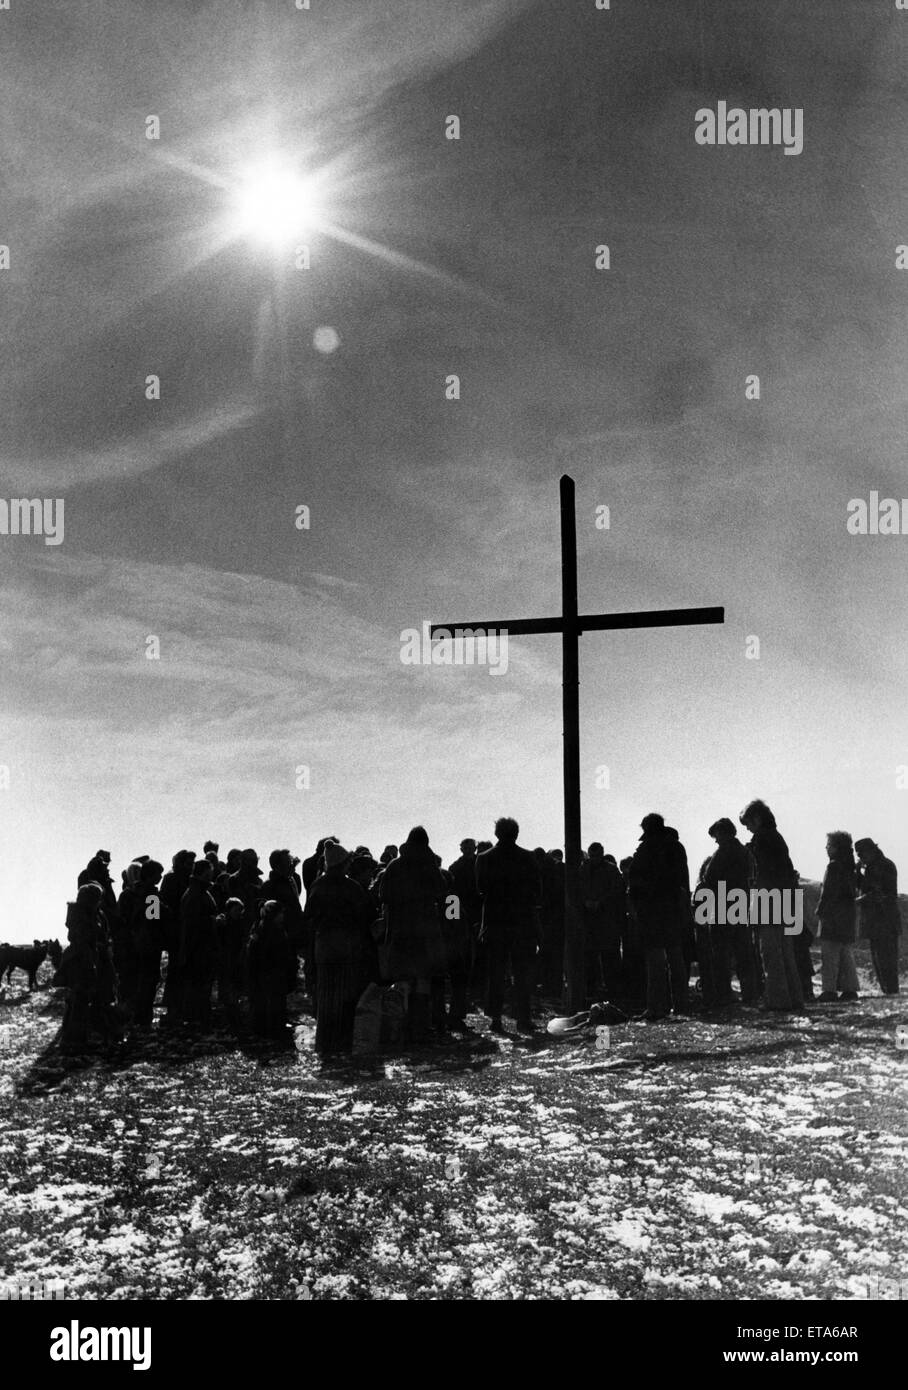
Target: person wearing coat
878, 899
633, 959
87, 926
732, 943
77, 972
462, 942
339, 914
123, 934
600, 891
149, 928
97, 870
509, 882
280, 887
245, 883
173, 886
836, 914
552, 947
230, 929
315, 864
271, 972
413, 893
771, 867
198, 945
659, 891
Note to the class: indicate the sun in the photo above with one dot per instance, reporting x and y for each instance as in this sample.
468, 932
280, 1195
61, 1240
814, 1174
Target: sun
274, 204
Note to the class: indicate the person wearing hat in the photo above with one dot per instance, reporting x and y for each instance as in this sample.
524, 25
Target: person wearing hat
97, 870
338, 915
878, 900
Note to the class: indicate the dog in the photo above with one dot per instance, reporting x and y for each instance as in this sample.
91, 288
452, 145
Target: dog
28, 958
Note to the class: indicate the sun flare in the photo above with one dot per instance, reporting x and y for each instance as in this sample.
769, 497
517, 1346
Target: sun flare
275, 204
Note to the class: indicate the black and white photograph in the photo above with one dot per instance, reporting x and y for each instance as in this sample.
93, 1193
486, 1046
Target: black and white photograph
453, 729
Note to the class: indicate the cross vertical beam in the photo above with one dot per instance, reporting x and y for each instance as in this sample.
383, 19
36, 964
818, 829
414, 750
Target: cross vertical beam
570, 713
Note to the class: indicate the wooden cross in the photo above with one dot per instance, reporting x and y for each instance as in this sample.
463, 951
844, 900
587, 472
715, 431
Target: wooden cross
570, 624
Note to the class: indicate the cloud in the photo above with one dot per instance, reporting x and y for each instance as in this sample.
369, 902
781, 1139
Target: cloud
155, 447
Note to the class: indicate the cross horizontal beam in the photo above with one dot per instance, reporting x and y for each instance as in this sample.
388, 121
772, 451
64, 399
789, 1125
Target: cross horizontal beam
591, 622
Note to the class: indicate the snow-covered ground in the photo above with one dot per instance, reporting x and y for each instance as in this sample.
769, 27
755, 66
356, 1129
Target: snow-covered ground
762, 1158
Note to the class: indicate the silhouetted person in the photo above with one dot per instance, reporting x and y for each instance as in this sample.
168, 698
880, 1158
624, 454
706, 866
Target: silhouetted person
633, 963
149, 928
198, 946
599, 894
881, 921
688, 940
732, 943
123, 939
837, 915
210, 851
658, 880
544, 965
339, 914
462, 935
413, 891
271, 966
246, 884
361, 867
705, 945
98, 871
552, 949
771, 867
173, 886
280, 886
315, 864
507, 877
78, 971
232, 933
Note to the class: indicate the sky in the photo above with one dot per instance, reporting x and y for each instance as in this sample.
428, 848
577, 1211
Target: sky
430, 257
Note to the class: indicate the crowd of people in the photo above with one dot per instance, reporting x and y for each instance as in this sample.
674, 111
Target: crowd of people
229, 942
